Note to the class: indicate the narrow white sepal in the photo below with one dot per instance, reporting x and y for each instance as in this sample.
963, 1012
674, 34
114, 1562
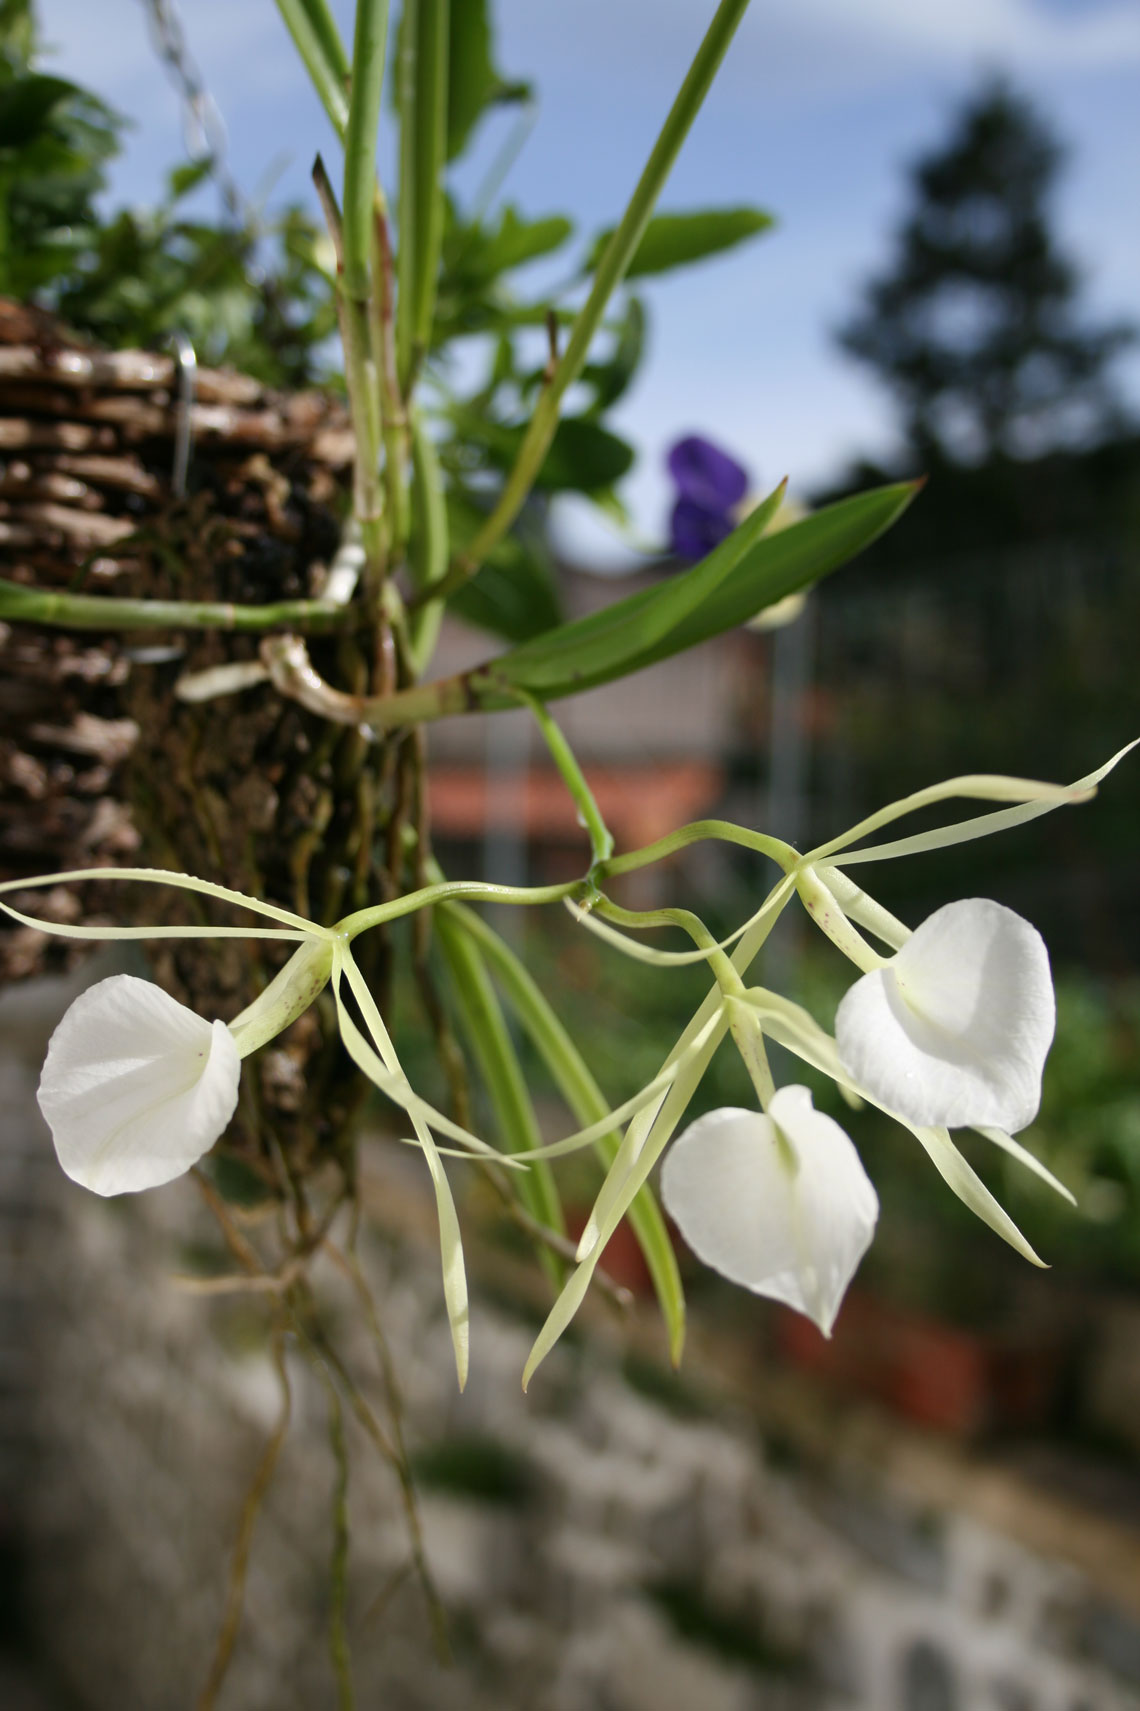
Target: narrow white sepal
778, 1203
954, 1030
135, 1087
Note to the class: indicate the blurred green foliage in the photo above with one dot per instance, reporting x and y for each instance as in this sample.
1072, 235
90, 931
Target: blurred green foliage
258, 293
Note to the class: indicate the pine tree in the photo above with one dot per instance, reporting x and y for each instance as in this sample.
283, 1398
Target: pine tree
975, 326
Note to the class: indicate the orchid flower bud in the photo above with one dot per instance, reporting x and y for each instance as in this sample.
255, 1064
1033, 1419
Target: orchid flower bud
953, 1031
135, 1088
779, 1203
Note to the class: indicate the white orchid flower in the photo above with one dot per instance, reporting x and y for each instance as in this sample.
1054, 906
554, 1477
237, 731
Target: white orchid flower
136, 1088
779, 1203
836, 903
955, 1028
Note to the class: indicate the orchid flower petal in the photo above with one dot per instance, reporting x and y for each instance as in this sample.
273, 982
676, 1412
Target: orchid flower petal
779, 1203
1030, 800
135, 1087
954, 1030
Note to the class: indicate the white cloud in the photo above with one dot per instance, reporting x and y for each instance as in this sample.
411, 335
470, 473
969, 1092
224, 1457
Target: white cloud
1021, 31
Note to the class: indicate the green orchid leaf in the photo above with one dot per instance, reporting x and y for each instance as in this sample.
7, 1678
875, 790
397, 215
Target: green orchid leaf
600, 646
471, 75
583, 457
677, 240
474, 84
476, 255
513, 595
181, 180
748, 571
611, 379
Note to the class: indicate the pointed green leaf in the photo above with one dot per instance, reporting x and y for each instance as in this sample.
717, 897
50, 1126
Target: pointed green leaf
677, 240
602, 645
475, 255
473, 82
515, 242
583, 457
183, 179
970, 1189
745, 573
472, 78
514, 593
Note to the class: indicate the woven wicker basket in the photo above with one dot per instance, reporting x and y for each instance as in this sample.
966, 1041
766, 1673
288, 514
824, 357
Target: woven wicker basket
100, 763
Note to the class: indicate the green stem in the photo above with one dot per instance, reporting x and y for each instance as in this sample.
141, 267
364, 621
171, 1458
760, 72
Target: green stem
361, 361
601, 838
94, 612
317, 40
643, 920
393, 407
619, 252
362, 382
473, 889
368, 47
697, 832
422, 85
429, 558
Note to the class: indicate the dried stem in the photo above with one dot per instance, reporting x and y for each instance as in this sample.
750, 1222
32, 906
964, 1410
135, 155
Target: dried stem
338, 1568
239, 1562
350, 1265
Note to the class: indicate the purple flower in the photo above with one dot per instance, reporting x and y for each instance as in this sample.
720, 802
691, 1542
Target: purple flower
709, 485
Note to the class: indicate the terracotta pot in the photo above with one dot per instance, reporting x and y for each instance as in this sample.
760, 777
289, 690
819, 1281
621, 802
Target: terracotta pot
940, 1375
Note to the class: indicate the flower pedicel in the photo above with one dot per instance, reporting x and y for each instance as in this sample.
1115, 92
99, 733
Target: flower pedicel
951, 1030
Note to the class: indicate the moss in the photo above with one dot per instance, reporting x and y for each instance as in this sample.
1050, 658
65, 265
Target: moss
734, 1637
662, 1385
479, 1469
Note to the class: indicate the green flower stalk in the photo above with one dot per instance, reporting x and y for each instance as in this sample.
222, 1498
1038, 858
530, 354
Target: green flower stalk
951, 1031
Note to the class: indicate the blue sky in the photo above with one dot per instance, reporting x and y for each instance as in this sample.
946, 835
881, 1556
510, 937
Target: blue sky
818, 108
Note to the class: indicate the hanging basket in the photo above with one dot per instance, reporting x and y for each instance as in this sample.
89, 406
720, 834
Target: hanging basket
101, 763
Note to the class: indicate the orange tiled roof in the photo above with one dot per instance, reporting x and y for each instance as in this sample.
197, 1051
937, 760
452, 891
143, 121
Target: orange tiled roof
638, 803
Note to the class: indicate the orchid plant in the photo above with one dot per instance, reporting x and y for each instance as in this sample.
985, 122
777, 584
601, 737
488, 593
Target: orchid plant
945, 1027
950, 1031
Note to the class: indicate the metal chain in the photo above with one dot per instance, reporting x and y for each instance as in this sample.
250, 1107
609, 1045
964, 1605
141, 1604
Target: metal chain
203, 128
